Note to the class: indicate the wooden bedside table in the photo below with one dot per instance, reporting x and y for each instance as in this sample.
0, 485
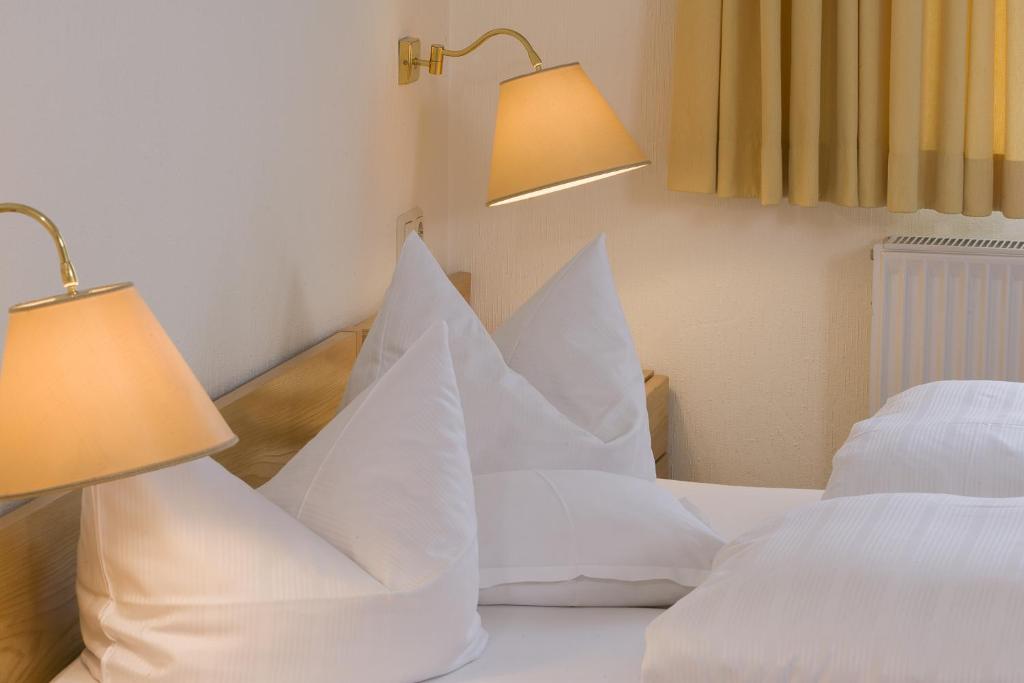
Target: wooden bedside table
657, 414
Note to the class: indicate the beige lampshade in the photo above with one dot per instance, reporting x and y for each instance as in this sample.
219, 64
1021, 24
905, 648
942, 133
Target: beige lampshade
553, 131
92, 389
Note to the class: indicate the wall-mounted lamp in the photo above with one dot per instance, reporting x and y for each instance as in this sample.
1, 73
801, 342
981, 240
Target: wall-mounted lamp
553, 130
92, 389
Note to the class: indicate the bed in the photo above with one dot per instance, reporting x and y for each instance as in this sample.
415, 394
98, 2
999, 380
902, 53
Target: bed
274, 416
551, 644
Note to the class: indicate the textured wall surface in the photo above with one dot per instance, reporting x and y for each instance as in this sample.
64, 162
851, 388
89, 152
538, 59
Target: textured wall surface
233, 159
760, 316
243, 162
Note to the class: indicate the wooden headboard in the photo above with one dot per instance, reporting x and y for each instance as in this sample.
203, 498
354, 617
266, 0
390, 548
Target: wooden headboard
274, 416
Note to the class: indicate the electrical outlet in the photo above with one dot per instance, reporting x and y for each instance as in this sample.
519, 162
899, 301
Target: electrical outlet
410, 221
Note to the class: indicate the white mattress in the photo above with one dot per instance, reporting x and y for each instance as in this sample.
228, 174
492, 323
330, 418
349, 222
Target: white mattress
570, 645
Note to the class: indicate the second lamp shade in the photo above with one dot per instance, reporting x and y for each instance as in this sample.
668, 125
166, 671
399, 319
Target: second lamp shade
553, 131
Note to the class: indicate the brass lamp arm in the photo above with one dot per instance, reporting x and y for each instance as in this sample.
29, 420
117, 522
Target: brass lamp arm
445, 52
67, 270
409, 61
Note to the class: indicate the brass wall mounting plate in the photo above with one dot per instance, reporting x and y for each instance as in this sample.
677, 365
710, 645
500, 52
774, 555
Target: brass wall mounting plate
408, 56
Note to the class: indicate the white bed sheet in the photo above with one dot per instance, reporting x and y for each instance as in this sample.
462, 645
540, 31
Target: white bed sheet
735, 510
577, 644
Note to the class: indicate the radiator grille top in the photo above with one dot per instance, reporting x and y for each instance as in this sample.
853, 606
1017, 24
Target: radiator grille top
958, 244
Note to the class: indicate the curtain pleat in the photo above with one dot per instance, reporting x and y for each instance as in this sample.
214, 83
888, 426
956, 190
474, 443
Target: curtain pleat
804, 102
908, 104
839, 153
771, 190
1012, 176
740, 134
979, 135
695, 98
873, 101
945, 95
907, 43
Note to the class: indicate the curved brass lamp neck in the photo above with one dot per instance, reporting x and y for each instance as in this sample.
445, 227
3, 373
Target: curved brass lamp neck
445, 52
67, 270
409, 61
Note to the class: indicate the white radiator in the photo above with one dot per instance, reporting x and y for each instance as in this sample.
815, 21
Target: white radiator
945, 308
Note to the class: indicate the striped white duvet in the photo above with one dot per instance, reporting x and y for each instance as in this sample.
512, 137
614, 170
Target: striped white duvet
887, 587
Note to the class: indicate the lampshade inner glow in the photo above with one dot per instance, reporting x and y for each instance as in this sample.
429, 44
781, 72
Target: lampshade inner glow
567, 184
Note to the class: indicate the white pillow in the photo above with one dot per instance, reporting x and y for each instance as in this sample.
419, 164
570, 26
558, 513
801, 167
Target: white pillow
586, 538
187, 574
886, 588
959, 437
577, 400
572, 343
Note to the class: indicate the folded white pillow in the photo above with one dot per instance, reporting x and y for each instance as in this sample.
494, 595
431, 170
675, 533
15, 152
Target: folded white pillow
569, 391
959, 437
886, 588
187, 574
586, 538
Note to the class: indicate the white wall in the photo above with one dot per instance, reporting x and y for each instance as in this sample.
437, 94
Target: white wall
242, 162
760, 316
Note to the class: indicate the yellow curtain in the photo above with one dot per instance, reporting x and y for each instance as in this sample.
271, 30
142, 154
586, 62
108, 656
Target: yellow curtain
908, 104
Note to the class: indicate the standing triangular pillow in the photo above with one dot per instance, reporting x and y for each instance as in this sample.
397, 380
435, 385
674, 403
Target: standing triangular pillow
396, 499
510, 423
187, 574
572, 342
